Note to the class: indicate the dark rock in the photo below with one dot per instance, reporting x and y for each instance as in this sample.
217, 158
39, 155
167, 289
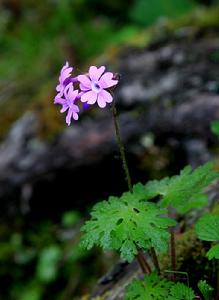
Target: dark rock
170, 90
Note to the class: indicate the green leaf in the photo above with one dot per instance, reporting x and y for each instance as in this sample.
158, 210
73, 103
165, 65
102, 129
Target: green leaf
186, 191
30, 291
180, 291
69, 218
215, 127
157, 187
207, 227
151, 288
205, 289
213, 252
126, 223
147, 12
47, 263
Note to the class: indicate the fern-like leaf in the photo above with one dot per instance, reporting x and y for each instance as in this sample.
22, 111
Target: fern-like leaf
184, 191
207, 229
151, 288
180, 291
125, 224
205, 289
213, 252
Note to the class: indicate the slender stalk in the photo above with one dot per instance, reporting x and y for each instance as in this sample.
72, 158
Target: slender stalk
155, 260
143, 263
217, 291
121, 147
173, 253
140, 257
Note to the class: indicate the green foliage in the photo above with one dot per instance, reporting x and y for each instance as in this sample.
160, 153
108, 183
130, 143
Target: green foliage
153, 287
147, 12
69, 218
47, 266
213, 252
43, 257
185, 191
133, 222
33, 291
205, 289
127, 223
215, 127
180, 291
207, 229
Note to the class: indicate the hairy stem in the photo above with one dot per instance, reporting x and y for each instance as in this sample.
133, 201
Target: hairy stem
155, 260
140, 257
121, 147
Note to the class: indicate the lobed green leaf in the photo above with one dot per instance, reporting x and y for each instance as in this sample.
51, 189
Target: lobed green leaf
213, 252
207, 227
153, 287
186, 190
126, 224
150, 288
180, 291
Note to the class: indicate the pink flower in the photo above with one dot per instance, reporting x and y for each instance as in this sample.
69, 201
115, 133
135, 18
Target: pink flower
68, 103
94, 86
64, 79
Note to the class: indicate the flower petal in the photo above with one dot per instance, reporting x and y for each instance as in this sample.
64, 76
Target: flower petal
101, 102
75, 108
68, 117
95, 72
64, 108
59, 100
85, 81
106, 80
84, 88
89, 97
65, 74
72, 94
103, 98
75, 116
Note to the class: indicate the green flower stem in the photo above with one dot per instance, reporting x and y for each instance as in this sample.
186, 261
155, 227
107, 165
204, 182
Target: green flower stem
155, 260
140, 257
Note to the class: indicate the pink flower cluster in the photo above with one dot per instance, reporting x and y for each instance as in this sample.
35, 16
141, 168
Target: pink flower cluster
92, 88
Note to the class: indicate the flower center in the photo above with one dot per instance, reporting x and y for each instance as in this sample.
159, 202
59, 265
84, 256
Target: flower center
95, 87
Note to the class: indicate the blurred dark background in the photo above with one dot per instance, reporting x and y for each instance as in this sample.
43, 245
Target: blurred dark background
167, 53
